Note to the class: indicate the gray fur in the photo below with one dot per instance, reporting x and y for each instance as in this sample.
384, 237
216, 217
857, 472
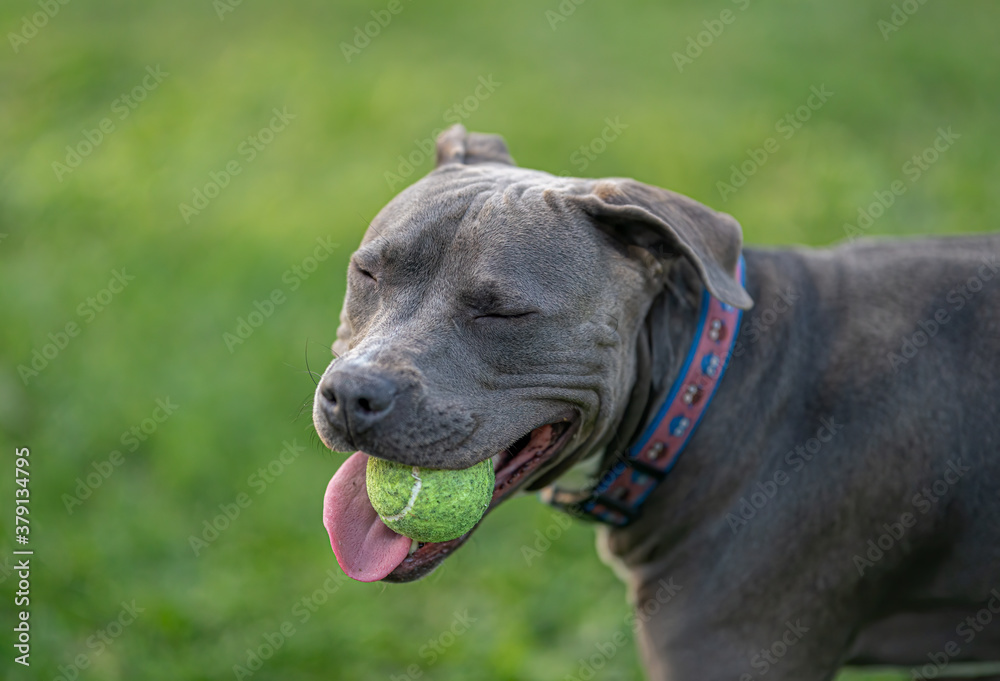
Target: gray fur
611, 271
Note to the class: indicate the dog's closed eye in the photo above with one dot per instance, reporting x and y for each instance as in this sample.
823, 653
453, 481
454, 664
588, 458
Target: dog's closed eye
497, 301
363, 272
505, 315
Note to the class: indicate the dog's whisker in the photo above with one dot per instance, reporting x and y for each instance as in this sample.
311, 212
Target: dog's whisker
306, 404
305, 353
368, 222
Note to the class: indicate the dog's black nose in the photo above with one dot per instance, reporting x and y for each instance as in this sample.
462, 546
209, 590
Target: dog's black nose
356, 399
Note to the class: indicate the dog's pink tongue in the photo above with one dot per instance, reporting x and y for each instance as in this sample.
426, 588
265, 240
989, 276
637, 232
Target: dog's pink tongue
366, 549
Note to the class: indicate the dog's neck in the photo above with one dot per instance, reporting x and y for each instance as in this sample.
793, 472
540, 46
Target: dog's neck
663, 339
725, 446
658, 418
663, 342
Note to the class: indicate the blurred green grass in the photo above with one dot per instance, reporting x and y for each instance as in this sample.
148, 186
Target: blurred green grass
323, 177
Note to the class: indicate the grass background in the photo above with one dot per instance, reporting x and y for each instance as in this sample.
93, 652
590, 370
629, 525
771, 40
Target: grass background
324, 176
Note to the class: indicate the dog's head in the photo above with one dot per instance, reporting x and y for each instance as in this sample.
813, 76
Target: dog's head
493, 311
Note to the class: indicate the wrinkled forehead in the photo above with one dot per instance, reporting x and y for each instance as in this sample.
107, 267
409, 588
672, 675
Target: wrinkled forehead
489, 223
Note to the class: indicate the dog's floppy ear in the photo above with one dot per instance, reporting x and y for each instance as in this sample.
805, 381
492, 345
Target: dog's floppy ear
455, 145
669, 224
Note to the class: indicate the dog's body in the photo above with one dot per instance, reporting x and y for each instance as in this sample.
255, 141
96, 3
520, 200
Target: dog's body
862, 439
840, 500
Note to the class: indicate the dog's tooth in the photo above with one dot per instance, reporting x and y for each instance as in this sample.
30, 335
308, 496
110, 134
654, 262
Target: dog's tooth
413, 547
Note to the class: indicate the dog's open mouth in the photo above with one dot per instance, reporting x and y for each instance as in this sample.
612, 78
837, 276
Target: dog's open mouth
368, 551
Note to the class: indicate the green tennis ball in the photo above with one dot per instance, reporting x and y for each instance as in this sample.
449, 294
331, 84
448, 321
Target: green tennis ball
429, 504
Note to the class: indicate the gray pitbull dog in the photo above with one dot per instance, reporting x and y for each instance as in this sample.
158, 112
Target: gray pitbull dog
838, 504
